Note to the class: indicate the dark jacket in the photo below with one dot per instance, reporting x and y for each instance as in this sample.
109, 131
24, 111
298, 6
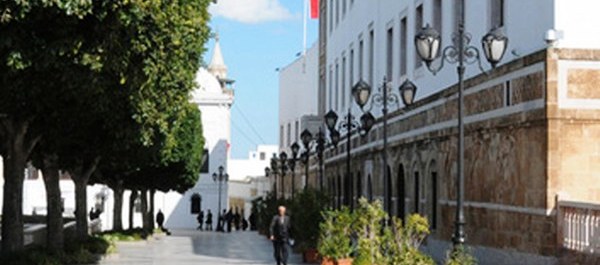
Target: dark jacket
280, 231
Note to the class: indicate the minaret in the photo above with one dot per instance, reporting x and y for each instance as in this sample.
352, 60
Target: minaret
217, 65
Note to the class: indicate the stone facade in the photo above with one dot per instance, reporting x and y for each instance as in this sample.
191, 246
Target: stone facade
532, 127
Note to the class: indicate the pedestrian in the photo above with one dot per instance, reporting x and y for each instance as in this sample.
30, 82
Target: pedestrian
252, 221
221, 225
160, 219
279, 233
200, 219
229, 219
209, 218
236, 220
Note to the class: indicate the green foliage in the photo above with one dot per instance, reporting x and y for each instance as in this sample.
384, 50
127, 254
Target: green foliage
460, 255
396, 244
76, 252
335, 234
264, 210
305, 209
137, 234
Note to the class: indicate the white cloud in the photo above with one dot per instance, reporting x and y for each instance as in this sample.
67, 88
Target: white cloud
251, 11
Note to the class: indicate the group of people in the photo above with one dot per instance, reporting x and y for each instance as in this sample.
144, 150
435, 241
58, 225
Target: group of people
227, 221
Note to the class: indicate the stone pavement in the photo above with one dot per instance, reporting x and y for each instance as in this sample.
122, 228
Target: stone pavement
198, 248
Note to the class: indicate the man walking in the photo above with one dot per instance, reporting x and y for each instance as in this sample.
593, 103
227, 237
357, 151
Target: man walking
200, 220
160, 219
279, 232
209, 220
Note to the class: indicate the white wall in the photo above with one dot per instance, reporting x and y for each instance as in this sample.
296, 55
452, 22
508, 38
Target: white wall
298, 92
578, 20
526, 22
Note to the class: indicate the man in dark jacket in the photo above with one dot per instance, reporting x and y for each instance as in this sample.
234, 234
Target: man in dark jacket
279, 232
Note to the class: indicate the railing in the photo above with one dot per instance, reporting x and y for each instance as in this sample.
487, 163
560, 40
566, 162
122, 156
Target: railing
579, 226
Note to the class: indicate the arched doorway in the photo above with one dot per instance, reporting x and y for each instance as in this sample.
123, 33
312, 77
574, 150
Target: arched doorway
196, 204
400, 186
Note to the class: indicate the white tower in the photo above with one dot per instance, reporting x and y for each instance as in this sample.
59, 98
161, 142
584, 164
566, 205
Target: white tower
214, 98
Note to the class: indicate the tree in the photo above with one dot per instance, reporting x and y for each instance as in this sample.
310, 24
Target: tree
145, 52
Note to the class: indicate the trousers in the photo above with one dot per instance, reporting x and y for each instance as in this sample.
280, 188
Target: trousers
280, 252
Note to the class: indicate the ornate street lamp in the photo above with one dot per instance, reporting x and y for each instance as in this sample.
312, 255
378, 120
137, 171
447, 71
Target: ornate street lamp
306, 138
292, 163
350, 125
283, 167
220, 178
494, 44
407, 92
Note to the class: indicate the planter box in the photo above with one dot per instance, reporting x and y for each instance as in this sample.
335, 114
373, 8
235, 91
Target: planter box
311, 256
328, 261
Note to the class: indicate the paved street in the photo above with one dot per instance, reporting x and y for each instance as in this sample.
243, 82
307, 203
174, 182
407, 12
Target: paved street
193, 247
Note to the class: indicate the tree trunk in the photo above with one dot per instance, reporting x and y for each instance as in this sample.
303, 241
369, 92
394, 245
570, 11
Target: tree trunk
144, 197
118, 206
54, 219
16, 149
152, 210
81, 218
132, 198
81, 177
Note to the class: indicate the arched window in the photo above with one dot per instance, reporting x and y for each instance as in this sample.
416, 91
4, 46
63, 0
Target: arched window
433, 195
389, 190
359, 189
196, 203
417, 193
400, 186
370, 187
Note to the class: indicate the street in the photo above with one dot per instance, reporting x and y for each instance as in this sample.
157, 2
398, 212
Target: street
194, 247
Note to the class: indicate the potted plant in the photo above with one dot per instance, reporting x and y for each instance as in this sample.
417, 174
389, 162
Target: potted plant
306, 209
335, 244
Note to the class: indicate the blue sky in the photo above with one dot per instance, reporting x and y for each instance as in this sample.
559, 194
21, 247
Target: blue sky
256, 37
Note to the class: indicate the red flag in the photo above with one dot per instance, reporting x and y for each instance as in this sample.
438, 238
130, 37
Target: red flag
314, 9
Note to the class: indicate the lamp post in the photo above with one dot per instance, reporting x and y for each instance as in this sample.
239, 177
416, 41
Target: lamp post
349, 125
427, 43
320, 144
283, 168
361, 93
273, 171
220, 178
292, 163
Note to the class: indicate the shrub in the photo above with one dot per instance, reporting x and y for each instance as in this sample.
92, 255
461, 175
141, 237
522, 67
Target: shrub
460, 255
334, 234
306, 216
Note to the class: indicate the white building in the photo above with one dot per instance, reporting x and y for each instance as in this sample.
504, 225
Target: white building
371, 40
298, 87
247, 180
214, 97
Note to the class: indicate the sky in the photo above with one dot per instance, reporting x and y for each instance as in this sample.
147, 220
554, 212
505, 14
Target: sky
256, 38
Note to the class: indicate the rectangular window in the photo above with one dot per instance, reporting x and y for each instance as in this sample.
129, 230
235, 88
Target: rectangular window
205, 161
281, 136
330, 15
330, 96
403, 45
390, 54
371, 56
457, 5
496, 13
289, 134
337, 86
337, 12
361, 57
263, 156
351, 65
418, 26
296, 129
343, 8
507, 94
437, 15
343, 82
